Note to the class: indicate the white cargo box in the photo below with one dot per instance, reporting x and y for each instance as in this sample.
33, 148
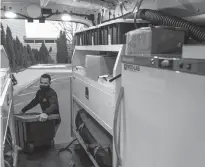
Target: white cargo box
155, 40
95, 98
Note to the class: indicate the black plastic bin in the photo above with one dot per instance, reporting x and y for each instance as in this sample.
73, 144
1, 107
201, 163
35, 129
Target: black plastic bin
77, 39
31, 133
117, 32
83, 38
89, 37
104, 35
97, 36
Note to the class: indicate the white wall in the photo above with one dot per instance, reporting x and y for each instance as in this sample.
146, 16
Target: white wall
41, 30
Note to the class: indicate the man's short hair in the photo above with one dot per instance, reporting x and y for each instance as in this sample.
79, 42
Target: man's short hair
46, 76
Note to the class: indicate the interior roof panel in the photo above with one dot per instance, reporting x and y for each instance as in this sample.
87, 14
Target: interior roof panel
180, 8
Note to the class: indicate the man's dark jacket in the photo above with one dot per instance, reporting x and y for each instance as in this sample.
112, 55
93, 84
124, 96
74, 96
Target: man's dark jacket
48, 101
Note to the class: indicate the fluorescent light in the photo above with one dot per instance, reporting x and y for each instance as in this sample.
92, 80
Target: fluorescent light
66, 17
10, 14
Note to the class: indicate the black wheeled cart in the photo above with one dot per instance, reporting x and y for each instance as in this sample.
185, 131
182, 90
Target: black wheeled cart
31, 133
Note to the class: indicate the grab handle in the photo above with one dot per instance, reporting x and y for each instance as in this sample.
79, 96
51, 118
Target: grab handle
114, 78
115, 125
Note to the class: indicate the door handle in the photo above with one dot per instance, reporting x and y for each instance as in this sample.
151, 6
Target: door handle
114, 78
120, 96
87, 92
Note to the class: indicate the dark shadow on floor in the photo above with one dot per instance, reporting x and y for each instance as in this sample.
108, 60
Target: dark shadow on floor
50, 158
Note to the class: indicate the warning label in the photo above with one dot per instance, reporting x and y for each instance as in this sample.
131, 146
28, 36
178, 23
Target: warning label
131, 67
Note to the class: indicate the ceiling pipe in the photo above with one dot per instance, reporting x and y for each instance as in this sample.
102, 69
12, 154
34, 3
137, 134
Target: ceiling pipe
44, 3
80, 19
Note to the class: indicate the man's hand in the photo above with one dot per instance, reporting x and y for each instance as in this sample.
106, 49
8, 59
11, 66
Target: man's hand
43, 117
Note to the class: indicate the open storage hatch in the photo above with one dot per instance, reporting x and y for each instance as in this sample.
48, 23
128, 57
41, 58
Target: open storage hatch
97, 98
92, 89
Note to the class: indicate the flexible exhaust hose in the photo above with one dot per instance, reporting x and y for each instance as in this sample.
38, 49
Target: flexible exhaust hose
195, 32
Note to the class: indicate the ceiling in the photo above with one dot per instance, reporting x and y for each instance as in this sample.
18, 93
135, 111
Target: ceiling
80, 6
191, 9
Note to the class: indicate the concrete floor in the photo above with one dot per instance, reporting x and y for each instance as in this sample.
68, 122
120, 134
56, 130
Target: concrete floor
31, 74
50, 158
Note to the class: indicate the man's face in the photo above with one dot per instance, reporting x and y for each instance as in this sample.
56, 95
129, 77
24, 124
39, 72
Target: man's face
44, 83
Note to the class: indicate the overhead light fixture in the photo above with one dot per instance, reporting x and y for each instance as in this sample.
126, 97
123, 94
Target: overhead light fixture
10, 14
66, 17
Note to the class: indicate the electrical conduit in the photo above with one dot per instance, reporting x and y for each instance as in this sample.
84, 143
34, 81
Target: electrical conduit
195, 32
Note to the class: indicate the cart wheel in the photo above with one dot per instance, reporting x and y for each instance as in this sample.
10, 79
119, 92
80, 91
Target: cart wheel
8, 142
8, 150
30, 147
8, 162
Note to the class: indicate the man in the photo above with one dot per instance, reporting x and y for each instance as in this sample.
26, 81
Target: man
47, 98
